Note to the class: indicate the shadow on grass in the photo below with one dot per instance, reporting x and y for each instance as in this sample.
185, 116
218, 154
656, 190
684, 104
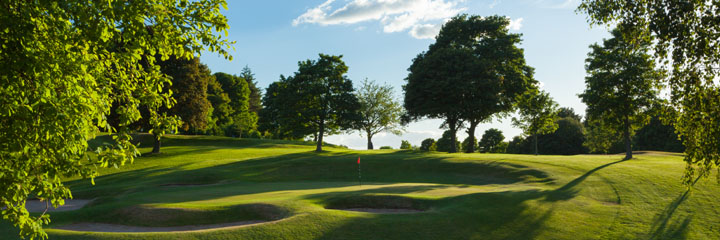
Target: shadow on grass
569, 191
493, 215
663, 228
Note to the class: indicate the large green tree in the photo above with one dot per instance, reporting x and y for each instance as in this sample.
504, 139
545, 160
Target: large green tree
500, 73
379, 111
189, 89
317, 99
687, 34
537, 112
255, 101
221, 110
63, 64
490, 140
473, 71
238, 91
621, 84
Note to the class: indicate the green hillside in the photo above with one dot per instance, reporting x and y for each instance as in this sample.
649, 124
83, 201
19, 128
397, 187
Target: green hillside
210, 180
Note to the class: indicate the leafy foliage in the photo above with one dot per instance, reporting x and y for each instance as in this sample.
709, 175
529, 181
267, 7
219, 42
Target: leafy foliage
240, 119
318, 99
465, 145
254, 99
537, 113
445, 144
63, 65
379, 111
686, 34
475, 59
428, 145
189, 89
621, 83
405, 145
490, 140
657, 136
599, 137
567, 139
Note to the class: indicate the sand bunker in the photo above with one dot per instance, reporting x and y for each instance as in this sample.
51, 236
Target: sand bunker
103, 227
70, 204
382, 210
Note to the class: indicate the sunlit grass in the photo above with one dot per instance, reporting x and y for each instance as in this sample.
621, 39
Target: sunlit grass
463, 196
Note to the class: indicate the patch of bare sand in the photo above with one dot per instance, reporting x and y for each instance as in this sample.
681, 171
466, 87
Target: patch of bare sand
104, 227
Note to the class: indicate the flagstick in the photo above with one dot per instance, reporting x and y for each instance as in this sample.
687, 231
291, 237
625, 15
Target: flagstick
359, 173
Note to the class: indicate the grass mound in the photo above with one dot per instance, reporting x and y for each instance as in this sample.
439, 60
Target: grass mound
169, 217
471, 196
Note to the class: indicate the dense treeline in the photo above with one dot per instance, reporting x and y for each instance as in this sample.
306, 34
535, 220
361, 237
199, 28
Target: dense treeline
320, 100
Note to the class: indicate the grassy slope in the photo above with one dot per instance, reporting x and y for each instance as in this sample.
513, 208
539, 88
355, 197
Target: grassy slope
469, 196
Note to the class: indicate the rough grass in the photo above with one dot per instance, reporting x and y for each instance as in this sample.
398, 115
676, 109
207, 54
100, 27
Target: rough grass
468, 196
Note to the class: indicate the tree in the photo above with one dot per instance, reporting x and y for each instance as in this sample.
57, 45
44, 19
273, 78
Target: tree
567, 139
243, 120
445, 144
657, 136
490, 140
686, 42
58, 87
466, 145
537, 113
566, 112
475, 59
189, 89
621, 84
428, 145
599, 137
379, 112
318, 97
405, 145
517, 145
254, 101
222, 112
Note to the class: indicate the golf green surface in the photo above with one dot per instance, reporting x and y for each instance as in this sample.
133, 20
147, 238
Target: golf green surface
290, 192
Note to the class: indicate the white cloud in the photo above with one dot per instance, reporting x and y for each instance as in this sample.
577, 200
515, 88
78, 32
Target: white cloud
425, 31
421, 17
516, 24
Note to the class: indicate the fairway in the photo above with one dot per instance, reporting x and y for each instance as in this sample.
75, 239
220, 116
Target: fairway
289, 192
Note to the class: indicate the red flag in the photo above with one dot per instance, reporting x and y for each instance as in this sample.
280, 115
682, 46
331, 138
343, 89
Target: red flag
358, 160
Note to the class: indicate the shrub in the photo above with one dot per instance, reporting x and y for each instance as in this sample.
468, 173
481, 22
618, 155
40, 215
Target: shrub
386, 147
428, 145
405, 145
444, 143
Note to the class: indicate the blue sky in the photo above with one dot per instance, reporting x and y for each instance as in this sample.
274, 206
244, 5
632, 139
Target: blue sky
379, 39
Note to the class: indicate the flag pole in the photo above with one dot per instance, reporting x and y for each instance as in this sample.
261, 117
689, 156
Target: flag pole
359, 172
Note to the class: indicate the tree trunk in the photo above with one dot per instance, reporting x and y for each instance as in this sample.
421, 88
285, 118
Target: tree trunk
320, 136
536, 144
471, 135
626, 135
314, 137
453, 139
370, 145
156, 147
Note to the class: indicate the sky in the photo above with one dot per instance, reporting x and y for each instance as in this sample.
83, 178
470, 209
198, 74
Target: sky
379, 38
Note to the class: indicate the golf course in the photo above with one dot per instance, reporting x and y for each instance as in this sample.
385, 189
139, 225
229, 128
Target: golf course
279, 189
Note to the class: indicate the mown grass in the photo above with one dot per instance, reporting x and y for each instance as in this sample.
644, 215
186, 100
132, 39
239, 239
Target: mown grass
204, 180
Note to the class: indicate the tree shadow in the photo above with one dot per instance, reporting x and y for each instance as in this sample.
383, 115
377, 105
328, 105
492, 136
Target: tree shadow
568, 190
663, 228
487, 215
